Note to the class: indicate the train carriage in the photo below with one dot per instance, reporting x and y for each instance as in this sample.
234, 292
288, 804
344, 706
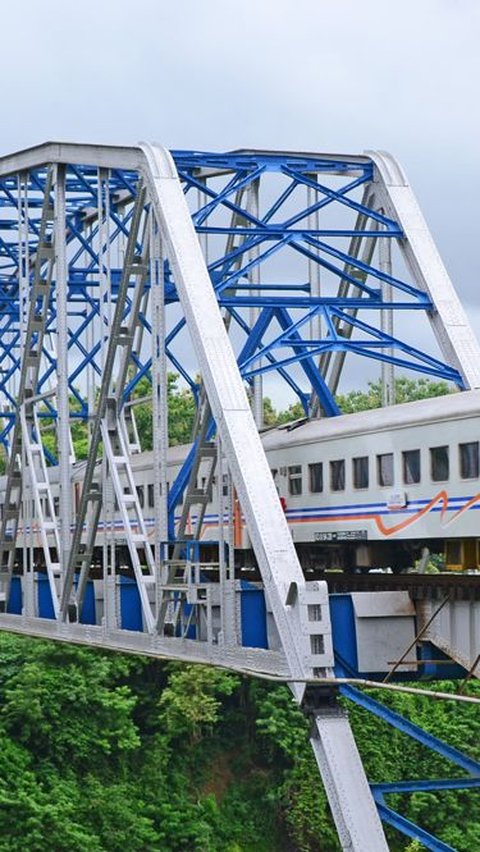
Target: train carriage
360, 491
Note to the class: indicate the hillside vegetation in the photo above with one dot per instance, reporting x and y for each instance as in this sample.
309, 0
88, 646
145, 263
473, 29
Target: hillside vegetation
101, 751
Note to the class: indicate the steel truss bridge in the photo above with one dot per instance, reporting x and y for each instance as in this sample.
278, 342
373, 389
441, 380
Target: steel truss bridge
239, 271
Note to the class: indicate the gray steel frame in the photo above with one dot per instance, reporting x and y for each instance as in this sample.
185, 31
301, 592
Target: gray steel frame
300, 609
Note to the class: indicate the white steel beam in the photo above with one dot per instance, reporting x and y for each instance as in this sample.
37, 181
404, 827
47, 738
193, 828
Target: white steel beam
269, 533
352, 804
64, 441
450, 324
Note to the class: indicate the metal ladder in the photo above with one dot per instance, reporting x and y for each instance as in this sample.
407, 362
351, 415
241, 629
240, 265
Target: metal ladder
120, 344
116, 449
33, 342
131, 431
197, 498
42, 495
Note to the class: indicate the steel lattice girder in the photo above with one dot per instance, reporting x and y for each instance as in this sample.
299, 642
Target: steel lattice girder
316, 217
458, 758
294, 250
162, 222
74, 244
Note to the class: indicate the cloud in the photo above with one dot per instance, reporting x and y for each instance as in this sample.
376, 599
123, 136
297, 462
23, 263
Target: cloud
306, 75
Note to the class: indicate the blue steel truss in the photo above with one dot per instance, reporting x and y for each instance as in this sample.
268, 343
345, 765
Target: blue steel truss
293, 248
271, 225
463, 761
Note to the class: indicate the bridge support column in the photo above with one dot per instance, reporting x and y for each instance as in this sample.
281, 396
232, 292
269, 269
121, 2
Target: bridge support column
353, 808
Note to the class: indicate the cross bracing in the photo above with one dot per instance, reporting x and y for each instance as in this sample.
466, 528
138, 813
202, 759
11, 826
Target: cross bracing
301, 276
117, 264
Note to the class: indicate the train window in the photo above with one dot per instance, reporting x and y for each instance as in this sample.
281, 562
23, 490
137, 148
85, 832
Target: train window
295, 480
439, 463
225, 484
411, 466
141, 495
385, 469
315, 477
151, 495
337, 475
469, 462
56, 505
360, 472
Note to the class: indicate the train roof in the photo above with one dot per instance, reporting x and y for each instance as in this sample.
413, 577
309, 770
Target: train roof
176, 456
454, 406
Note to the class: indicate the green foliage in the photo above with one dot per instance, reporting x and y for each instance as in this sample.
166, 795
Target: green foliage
59, 682
181, 411
406, 390
190, 703
280, 721
101, 751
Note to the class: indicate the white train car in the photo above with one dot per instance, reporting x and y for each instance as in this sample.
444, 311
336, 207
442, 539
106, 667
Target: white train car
364, 490
370, 489
380, 485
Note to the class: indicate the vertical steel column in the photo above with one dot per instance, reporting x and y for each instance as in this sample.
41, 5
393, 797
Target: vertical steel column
90, 341
65, 503
159, 389
24, 308
386, 320
105, 311
314, 278
352, 804
254, 275
36, 307
226, 560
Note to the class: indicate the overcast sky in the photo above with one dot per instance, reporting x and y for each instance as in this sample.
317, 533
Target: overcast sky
340, 76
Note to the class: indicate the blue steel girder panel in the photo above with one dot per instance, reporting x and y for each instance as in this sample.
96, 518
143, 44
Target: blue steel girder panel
292, 245
458, 758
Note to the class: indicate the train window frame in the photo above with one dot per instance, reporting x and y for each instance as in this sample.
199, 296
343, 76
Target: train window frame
315, 468
334, 484
381, 472
141, 495
461, 460
408, 477
357, 469
151, 495
435, 475
295, 480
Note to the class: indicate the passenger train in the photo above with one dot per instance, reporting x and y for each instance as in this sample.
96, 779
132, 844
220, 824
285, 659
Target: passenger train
366, 490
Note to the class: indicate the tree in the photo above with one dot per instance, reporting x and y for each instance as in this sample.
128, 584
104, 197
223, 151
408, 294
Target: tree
181, 412
192, 700
406, 390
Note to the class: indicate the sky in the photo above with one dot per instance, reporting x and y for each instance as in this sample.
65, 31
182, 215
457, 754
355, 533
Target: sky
310, 75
